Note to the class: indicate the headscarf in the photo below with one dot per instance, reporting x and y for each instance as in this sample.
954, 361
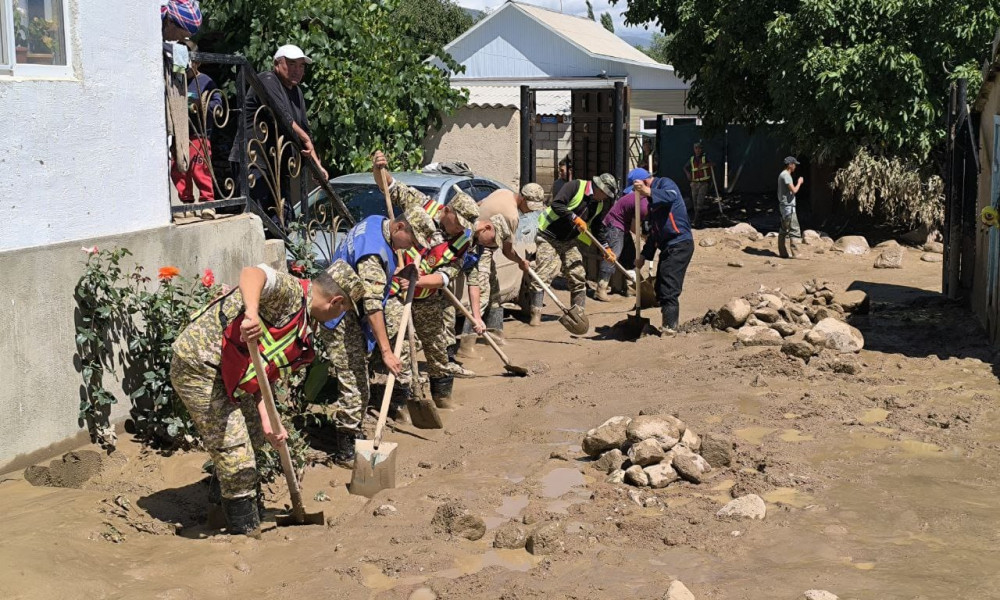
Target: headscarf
186, 13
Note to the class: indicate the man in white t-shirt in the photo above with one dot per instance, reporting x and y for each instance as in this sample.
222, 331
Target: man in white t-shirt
786, 208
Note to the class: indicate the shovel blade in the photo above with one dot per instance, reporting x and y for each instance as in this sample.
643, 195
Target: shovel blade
647, 294
374, 470
316, 518
516, 370
575, 321
423, 413
635, 327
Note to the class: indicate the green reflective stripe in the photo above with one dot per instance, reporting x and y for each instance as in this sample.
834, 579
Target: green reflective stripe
548, 216
274, 352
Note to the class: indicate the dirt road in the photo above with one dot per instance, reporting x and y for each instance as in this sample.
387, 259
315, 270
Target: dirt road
879, 483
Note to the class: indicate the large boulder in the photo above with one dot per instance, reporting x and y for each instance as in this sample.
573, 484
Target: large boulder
853, 301
799, 349
934, 247
717, 450
634, 475
767, 315
645, 453
743, 229
931, 257
750, 506
661, 475
890, 258
840, 336
691, 440
510, 536
546, 539
665, 429
852, 244
607, 435
610, 461
691, 467
758, 335
784, 328
735, 313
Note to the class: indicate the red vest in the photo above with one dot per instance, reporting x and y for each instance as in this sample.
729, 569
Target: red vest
431, 259
283, 350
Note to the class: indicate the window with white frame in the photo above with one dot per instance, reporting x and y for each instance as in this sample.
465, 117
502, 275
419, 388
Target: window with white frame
34, 38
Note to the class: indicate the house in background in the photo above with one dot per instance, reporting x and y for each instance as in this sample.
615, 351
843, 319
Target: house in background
572, 64
83, 162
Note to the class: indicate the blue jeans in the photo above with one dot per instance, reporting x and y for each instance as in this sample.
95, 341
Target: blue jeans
615, 238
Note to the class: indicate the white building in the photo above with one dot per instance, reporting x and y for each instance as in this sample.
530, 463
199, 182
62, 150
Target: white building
521, 44
83, 162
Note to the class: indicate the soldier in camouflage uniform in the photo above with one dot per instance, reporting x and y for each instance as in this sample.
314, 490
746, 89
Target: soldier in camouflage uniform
370, 247
560, 227
458, 231
264, 296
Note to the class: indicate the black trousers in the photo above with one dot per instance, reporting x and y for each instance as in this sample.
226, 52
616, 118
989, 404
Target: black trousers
670, 271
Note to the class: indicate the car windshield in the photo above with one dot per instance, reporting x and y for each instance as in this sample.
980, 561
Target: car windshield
362, 199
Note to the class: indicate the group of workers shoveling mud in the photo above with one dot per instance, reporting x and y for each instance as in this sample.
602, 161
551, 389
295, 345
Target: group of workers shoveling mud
389, 280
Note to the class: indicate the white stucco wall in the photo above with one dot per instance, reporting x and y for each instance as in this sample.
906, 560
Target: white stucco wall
86, 157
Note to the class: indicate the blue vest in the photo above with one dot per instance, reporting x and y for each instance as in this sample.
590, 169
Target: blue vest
366, 239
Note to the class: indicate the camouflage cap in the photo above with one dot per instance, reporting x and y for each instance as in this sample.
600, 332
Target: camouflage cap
348, 280
422, 224
533, 193
502, 229
607, 184
465, 208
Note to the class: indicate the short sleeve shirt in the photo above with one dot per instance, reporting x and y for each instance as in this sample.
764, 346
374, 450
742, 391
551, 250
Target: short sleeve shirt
786, 199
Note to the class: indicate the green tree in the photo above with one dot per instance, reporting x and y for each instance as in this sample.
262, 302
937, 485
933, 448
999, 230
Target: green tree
838, 75
657, 49
607, 22
590, 11
368, 86
436, 22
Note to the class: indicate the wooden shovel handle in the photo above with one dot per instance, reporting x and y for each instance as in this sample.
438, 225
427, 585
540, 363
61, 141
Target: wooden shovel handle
468, 315
272, 414
390, 383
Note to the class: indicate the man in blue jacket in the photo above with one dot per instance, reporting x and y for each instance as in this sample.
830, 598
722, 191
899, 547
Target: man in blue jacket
670, 233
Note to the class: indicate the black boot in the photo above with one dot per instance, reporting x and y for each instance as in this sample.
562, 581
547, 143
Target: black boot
343, 455
670, 315
242, 517
216, 516
398, 411
494, 322
441, 391
579, 298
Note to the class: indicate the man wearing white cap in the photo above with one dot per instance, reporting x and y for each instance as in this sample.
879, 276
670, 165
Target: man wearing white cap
285, 98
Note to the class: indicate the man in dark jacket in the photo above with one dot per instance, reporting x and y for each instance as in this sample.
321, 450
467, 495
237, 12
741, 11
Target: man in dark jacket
670, 233
560, 226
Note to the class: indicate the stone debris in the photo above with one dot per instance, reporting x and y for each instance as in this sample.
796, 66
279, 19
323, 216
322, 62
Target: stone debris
455, 519
840, 336
510, 536
545, 539
934, 247
735, 313
819, 595
608, 435
744, 229
659, 450
708, 242
385, 510
678, 591
931, 257
750, 506
855, 245
890, 258
758, 335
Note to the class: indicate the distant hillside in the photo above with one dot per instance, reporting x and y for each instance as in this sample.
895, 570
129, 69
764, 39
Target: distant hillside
475, 14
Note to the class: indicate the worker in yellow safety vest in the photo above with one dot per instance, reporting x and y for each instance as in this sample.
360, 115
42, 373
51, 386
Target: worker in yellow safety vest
560, 226
699, 173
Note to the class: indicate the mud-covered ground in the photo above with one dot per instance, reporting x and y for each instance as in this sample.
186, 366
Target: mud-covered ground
880, 479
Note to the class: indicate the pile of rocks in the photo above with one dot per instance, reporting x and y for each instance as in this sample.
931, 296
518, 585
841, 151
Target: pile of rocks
802, 322
654, 451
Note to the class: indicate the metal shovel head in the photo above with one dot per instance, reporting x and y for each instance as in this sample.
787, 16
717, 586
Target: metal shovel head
516, 370
575, 320
423, 413
633, 327
316, 518
647, 294
374, 470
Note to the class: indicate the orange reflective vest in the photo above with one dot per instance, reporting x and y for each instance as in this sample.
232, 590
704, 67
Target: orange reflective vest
700, 170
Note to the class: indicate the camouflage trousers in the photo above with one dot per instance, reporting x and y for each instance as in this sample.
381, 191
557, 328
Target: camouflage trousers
489, 282
434, 324
229, 431
349, 364
551, 256
393, 315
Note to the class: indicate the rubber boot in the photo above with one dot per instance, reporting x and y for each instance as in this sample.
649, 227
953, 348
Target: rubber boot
343, 454
670, 317
579, 298
441, 391
242, 517
601, 293
398, 411
494, 324
536, 309
467, 345
216, 516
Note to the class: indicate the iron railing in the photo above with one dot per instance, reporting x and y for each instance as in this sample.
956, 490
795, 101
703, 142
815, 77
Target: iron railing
272, 156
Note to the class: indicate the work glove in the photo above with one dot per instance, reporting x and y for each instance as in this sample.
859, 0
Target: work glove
609, 255
581, 225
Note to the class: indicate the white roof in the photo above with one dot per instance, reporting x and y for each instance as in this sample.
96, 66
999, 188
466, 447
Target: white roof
502, 96
590, 35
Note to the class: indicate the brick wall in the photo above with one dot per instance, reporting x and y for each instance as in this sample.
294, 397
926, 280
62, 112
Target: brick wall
553, 142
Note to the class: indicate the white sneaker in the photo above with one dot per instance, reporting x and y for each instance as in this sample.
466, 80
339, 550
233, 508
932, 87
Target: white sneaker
207, 213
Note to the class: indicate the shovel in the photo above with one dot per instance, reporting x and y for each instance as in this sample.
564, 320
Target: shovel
374, 461
635, 325
299, 515
644, 290
574, 319
423, 412
511, 368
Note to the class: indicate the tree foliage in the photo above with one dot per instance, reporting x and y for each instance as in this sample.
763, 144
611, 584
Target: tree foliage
607, 22
838, 75
657, 48
590, 11
435, 22
891, 190
368, 86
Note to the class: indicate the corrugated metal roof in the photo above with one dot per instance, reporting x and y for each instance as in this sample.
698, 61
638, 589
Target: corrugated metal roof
590, 35
546, 102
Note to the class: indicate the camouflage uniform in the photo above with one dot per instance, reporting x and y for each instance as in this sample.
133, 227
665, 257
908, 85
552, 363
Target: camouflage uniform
551, 255
230, 431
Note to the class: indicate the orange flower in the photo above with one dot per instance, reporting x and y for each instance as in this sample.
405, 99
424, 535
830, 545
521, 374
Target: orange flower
168, 273
208, 279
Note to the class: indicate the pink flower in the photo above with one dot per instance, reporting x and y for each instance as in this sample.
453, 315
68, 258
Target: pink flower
91, 250
208, 279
